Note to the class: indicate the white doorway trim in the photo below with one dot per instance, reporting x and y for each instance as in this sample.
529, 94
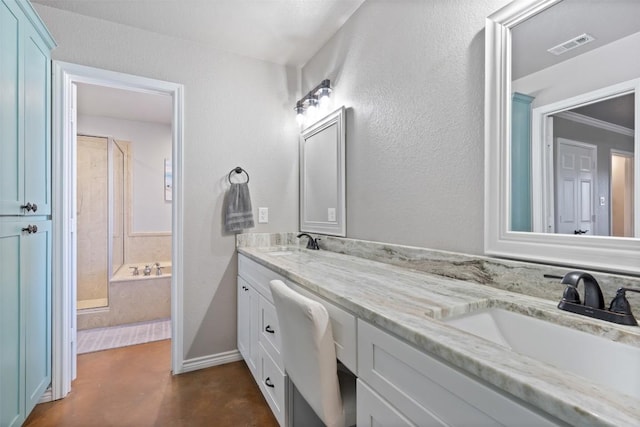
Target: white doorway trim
542, 146
631, 218
65, 76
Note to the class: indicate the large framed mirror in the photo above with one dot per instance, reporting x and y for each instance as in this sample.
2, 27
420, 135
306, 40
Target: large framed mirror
562, 143
322, 176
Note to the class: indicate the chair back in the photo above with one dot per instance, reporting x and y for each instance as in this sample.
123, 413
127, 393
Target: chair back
308, 352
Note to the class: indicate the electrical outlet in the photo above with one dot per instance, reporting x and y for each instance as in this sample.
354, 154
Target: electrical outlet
331, 214
263, 215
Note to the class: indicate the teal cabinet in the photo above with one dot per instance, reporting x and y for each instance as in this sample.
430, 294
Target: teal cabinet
25, 210
521, 162
25, 316
25, 111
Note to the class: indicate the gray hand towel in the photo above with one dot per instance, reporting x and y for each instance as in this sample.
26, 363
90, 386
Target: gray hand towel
238, 210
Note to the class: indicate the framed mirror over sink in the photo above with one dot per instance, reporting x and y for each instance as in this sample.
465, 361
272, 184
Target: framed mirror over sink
322, 176
562, 170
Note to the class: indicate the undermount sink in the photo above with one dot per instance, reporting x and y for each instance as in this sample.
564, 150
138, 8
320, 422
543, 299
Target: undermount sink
607, 362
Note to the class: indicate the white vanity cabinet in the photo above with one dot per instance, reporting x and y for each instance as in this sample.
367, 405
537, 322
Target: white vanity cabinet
259, 334
398, 384
413, 388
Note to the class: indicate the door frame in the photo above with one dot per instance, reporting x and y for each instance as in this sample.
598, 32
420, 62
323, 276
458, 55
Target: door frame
627, 154
65, 75
542, 148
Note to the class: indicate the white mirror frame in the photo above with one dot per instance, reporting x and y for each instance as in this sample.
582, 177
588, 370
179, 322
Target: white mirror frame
339, 226
617, 254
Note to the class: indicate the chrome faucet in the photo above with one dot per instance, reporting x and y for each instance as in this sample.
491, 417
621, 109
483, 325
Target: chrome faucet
136, 272
311, 243
593, 306
158, 269
147, 270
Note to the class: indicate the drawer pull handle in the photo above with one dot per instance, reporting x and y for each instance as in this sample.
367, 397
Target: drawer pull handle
268, 382
268, 329
31, 229
245, 288
29, 207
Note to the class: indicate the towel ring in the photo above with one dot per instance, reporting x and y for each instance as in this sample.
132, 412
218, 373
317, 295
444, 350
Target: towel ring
238, 170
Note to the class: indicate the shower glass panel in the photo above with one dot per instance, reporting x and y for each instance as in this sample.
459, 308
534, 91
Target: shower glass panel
92, 214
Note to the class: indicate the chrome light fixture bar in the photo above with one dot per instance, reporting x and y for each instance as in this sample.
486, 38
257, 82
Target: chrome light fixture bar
316, 97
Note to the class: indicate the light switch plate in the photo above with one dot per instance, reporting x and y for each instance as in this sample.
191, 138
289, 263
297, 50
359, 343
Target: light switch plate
331, 214
263, 215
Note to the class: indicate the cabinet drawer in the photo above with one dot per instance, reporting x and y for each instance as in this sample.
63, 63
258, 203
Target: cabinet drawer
272, 383
343, 325
257, 275
372, 410
430, 392
270, 331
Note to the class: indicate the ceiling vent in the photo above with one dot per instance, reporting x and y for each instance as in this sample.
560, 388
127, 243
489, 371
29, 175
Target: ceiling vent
571, 44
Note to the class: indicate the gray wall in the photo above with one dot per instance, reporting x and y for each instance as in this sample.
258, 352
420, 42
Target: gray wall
412, 75
238, 111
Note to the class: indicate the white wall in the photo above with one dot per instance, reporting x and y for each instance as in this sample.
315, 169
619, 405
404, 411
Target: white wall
610, 64
238, 111
150, 145
412, 75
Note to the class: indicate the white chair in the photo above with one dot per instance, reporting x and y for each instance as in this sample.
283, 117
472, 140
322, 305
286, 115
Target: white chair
309, 357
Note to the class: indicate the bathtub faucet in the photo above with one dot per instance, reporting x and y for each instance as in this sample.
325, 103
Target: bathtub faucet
147, 270
158, 269
135, 271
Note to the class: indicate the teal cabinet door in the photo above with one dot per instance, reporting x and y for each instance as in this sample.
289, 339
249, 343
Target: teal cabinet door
37, 143
25, 317
35, 288
11, 384
11, 150
25, 111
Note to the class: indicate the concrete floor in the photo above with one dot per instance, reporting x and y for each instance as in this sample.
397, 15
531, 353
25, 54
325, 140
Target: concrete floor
133, 386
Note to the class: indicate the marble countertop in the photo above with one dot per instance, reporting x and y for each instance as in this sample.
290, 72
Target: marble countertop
410, 304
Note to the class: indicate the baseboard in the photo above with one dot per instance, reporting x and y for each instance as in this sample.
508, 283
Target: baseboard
210, 360
47, 396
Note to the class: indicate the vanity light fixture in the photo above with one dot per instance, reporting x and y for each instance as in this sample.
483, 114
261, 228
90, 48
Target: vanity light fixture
317, 97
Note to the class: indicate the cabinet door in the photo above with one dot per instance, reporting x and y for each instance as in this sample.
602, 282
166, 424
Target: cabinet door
11, 151
35, 284
37, 143
25, 317
244, 320
372, 410
11, 384
247, 324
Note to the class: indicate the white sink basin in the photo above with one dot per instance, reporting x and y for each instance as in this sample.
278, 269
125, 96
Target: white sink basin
609, 363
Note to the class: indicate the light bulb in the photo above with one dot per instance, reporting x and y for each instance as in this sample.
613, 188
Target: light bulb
300, 113
312, 109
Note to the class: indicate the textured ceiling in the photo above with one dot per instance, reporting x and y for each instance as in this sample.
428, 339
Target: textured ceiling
286, 32
606, 20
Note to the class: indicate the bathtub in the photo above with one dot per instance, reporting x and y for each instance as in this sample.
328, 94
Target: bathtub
132, 299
